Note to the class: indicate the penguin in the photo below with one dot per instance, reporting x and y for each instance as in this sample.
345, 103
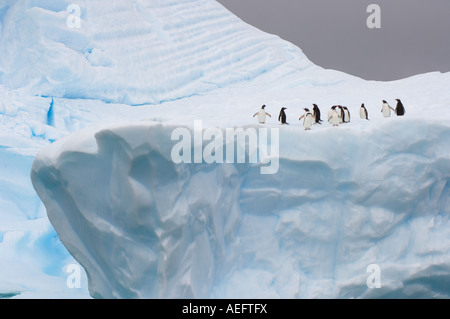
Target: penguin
386, 109
316, 113
282, 116
333, 117
341, 114
346, 114
363, 112
307, 119
262, 115
400, 109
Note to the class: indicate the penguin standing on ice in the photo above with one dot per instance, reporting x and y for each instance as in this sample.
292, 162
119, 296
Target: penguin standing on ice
307, 119
341, 113
400, 109
316, 114
333, 117
363, 112
386, 109
346, 114
282, 116
262, 115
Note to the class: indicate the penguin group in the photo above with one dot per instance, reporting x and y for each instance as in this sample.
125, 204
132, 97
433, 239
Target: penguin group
338, 114
399, 109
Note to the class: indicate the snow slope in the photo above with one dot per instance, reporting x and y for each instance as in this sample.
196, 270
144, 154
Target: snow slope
139, 67
134, 52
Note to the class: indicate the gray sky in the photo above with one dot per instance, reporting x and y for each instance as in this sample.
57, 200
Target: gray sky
414, 36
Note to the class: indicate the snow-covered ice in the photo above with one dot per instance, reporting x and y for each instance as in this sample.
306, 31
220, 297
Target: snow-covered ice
94, 108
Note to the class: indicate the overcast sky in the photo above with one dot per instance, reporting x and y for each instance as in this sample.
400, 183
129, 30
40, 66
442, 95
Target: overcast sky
414, 36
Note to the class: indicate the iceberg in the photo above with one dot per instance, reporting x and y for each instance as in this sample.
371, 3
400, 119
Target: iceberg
89, 107
144, 226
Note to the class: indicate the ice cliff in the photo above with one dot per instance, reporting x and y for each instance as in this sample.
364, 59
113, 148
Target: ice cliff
143, 226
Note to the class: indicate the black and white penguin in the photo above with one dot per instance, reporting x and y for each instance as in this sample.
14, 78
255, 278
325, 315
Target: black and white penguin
363, 112
282, 116
386, 109
316, 113
308, 119
341, 113
346, 114
400, 109
333, 117
262, 115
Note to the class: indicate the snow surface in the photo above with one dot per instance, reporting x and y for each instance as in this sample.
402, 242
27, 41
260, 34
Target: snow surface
99, 104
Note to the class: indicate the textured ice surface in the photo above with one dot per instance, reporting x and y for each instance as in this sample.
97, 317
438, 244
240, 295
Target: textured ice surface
368, 192
134, 52
143, 226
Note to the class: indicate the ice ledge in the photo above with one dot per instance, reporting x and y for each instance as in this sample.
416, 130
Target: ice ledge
145, 227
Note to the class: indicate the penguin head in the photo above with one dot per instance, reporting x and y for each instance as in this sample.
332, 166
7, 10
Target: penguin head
306, 109
263, 107
384, 101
